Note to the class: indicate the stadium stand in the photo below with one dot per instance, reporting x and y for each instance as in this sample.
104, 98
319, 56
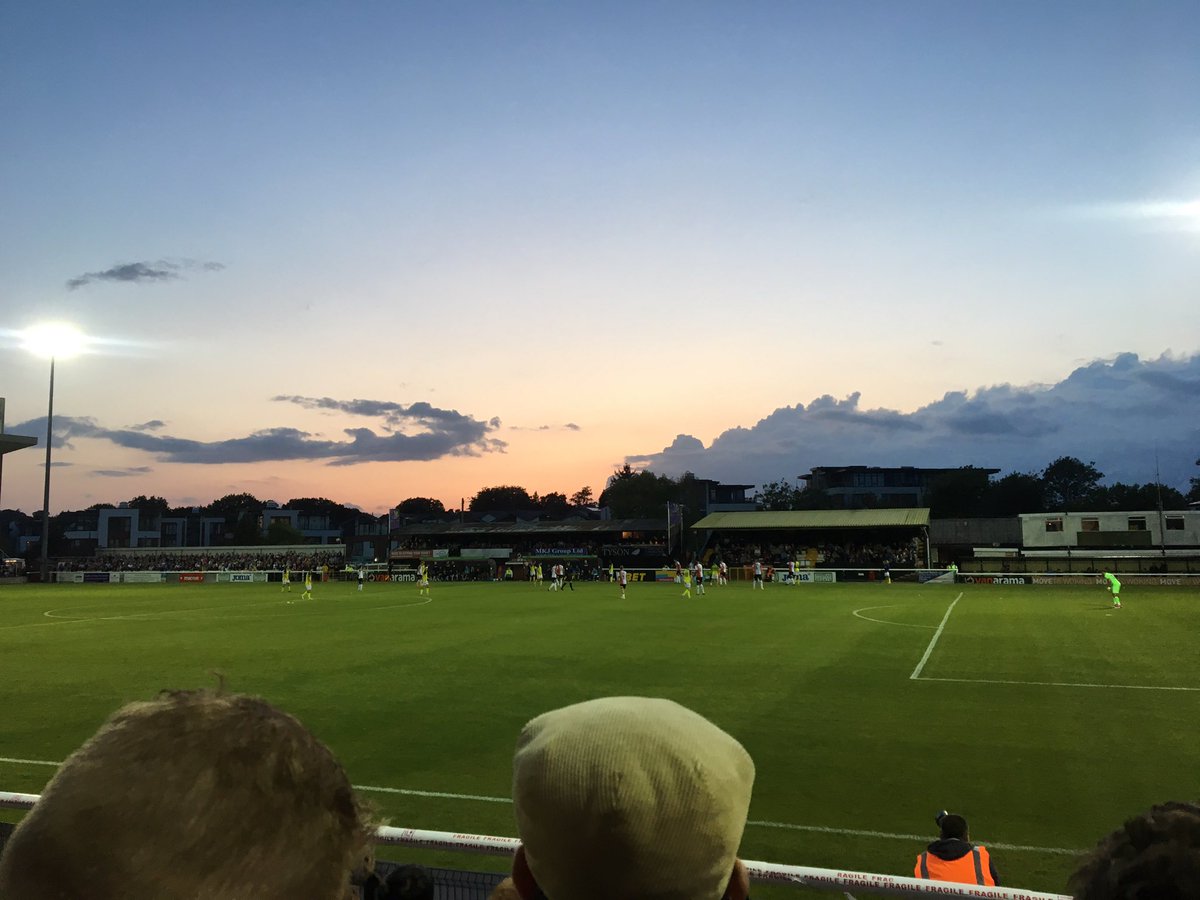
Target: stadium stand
238, 559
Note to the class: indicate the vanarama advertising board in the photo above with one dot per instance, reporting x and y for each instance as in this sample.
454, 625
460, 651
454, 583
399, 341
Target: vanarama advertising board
996, 579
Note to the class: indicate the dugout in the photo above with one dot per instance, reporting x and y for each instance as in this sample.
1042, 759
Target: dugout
826, 539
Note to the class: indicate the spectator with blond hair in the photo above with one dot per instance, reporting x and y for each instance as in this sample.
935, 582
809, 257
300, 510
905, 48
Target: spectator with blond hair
629, 797
505, 890
197, 795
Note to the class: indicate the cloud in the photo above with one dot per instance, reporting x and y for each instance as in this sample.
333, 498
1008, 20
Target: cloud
123, 473
417, 431
1119, 413
569, 426
152, 425
143, 272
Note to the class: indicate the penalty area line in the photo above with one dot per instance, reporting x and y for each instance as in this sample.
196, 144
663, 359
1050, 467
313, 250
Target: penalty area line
862, 609
1078, 684
916, 674
785, 826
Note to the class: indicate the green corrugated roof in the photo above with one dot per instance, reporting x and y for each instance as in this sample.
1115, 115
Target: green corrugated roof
816, 518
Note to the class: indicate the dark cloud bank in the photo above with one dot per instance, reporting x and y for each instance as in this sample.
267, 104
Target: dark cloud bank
1119, 413
417, 431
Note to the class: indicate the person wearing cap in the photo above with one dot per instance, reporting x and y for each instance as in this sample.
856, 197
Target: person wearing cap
954, 858
629, 797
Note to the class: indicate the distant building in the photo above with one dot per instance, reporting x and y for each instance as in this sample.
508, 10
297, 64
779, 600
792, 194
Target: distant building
315, 527
725, 497
1090, 531
868, 487
127, 528
90, 530
368, 538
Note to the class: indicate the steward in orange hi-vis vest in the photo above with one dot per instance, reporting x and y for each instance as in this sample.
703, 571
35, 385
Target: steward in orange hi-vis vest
954, 858
973, 867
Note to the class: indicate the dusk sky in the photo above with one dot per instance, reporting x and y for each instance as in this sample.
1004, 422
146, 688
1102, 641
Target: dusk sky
370, 251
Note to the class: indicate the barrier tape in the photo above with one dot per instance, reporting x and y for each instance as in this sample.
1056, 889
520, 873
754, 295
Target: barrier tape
772, 873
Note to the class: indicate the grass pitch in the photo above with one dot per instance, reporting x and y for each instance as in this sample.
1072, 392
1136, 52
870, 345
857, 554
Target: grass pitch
853, 753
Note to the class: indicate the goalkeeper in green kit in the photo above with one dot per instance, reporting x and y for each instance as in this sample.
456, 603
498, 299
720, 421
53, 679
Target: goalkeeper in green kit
1115, 587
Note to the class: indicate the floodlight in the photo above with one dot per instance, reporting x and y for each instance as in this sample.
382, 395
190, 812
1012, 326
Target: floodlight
54, 340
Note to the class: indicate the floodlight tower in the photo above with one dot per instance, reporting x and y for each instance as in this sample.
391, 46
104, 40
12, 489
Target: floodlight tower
52, 340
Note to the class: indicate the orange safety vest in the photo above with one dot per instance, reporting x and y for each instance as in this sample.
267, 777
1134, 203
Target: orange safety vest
973, 868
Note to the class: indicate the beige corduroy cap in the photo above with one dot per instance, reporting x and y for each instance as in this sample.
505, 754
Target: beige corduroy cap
630, 797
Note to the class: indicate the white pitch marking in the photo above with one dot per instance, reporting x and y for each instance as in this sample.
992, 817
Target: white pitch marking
1079, 684
409, 792
401, 605
933, 642
50, 613
70, 620
885, 621
821, 829
63, 620
30, 762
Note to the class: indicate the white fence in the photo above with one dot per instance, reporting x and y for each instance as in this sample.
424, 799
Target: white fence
837, 880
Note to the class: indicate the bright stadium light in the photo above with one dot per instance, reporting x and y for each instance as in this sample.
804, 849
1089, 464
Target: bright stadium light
52, 340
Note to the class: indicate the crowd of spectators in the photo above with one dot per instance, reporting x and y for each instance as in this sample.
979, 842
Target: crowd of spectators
448, 571
654, 552
827, 554
211, 560
207, 795
443, 570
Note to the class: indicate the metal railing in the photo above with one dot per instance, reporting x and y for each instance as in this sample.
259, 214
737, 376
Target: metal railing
838, 880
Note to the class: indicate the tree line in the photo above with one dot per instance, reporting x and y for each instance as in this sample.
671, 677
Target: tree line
1066, 485
629, 494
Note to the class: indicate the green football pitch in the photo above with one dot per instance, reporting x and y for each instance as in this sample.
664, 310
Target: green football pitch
1041, 714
